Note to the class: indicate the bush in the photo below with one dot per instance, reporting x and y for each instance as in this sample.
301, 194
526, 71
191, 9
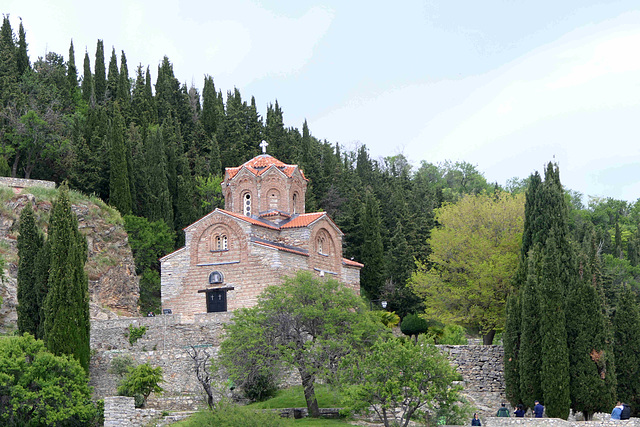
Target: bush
136, 333
453, 335
120, 365
412, 324
259, 387
229, 415
140, 382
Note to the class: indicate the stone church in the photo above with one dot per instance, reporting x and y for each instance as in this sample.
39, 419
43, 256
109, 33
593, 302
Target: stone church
263, 235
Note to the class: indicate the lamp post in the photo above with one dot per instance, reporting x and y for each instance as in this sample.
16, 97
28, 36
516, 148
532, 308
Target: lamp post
383, 303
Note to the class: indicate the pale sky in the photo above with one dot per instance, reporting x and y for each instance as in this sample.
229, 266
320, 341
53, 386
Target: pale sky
505, 85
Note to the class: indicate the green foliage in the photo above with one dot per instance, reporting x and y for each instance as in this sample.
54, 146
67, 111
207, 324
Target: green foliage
306, 323
30, 240
453, 335
388, 318
415, 378
140, 382
39, 388
66, 327
120, 365
626, 327
474, 255
413, 324
293, 397
209, 192
135, 333
230, 415
511, 344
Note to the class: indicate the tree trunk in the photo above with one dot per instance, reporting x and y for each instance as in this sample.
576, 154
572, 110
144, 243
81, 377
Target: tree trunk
14, 168
488, 338
309, 393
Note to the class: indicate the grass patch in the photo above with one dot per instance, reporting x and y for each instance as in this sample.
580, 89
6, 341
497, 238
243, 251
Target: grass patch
293, 397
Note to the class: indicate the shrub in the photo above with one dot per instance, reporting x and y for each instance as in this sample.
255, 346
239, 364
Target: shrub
120, 365
412, 324
453, 335
140, 382
229, 415
135, 333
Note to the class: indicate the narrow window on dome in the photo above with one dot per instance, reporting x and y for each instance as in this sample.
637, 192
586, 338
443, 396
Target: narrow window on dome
247, 204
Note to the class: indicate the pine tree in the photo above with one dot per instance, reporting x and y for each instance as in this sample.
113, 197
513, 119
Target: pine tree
67, 303
30, 240
87, 81
100, 74
119, 189
22, 57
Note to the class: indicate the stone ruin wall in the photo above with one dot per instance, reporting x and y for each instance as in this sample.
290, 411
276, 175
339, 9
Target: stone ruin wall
168, 339
19, 183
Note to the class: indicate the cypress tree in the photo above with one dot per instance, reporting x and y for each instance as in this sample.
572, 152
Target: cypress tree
372, 276
554, 376
530, 342
148, 94
72, 75
626, 327
511, 344
22, 57
41, 285
209, 111
158, 198
30, 240
119, 189
8, 65
124, 89
112, 77
87, 81
67, 325
100, 74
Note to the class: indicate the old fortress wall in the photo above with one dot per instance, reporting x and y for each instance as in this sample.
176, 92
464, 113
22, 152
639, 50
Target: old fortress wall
168, 339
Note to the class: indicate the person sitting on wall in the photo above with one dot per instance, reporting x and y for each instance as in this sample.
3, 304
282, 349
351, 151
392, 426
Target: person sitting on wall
617, 411
626, 412
475, 421
538, 410
519, 412
503, 411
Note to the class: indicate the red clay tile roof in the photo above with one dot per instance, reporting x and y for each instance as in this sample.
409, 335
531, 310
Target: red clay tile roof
280, 248
303, 220
259, 164
249, 219
352, 263
274, 213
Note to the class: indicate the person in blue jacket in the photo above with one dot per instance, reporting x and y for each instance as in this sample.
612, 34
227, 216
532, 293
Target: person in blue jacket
475, 421
617, 411
538, 410
519, 412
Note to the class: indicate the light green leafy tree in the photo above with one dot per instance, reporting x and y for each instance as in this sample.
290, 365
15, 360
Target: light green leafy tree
306, 323
474, 255
39, 388
140, 382
401, 381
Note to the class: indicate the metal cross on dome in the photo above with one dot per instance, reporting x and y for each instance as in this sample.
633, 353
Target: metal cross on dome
263, 145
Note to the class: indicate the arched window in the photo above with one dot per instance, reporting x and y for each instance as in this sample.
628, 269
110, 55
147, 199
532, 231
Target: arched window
295, 203
216, 277
321, 245
246, 208
274, 196
220, 242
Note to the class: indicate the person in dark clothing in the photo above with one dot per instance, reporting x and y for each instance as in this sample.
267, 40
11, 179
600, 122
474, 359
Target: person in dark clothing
503, 411
538, 410
519, 412
475, 421
626, 412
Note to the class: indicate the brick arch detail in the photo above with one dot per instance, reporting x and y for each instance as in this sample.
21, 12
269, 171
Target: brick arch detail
216, 224
331, 260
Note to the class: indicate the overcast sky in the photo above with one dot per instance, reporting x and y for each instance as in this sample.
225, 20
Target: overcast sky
505, 85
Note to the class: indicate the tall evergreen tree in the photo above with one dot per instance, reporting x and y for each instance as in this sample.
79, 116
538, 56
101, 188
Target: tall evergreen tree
100, 74
8, 64
124, 89
41, 285
119, 189
87, 80
158, 197
22, 56
210, 116
30, 240
67, 302
113, 76
372, 276
72, 75
511, 344
626, 327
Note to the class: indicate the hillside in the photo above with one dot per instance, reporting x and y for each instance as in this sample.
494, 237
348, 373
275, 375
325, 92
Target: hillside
113, 284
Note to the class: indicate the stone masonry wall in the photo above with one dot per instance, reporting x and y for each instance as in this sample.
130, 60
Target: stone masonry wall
168, 339
20, 183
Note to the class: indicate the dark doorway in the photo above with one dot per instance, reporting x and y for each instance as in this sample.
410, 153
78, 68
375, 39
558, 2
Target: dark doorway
216, 300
